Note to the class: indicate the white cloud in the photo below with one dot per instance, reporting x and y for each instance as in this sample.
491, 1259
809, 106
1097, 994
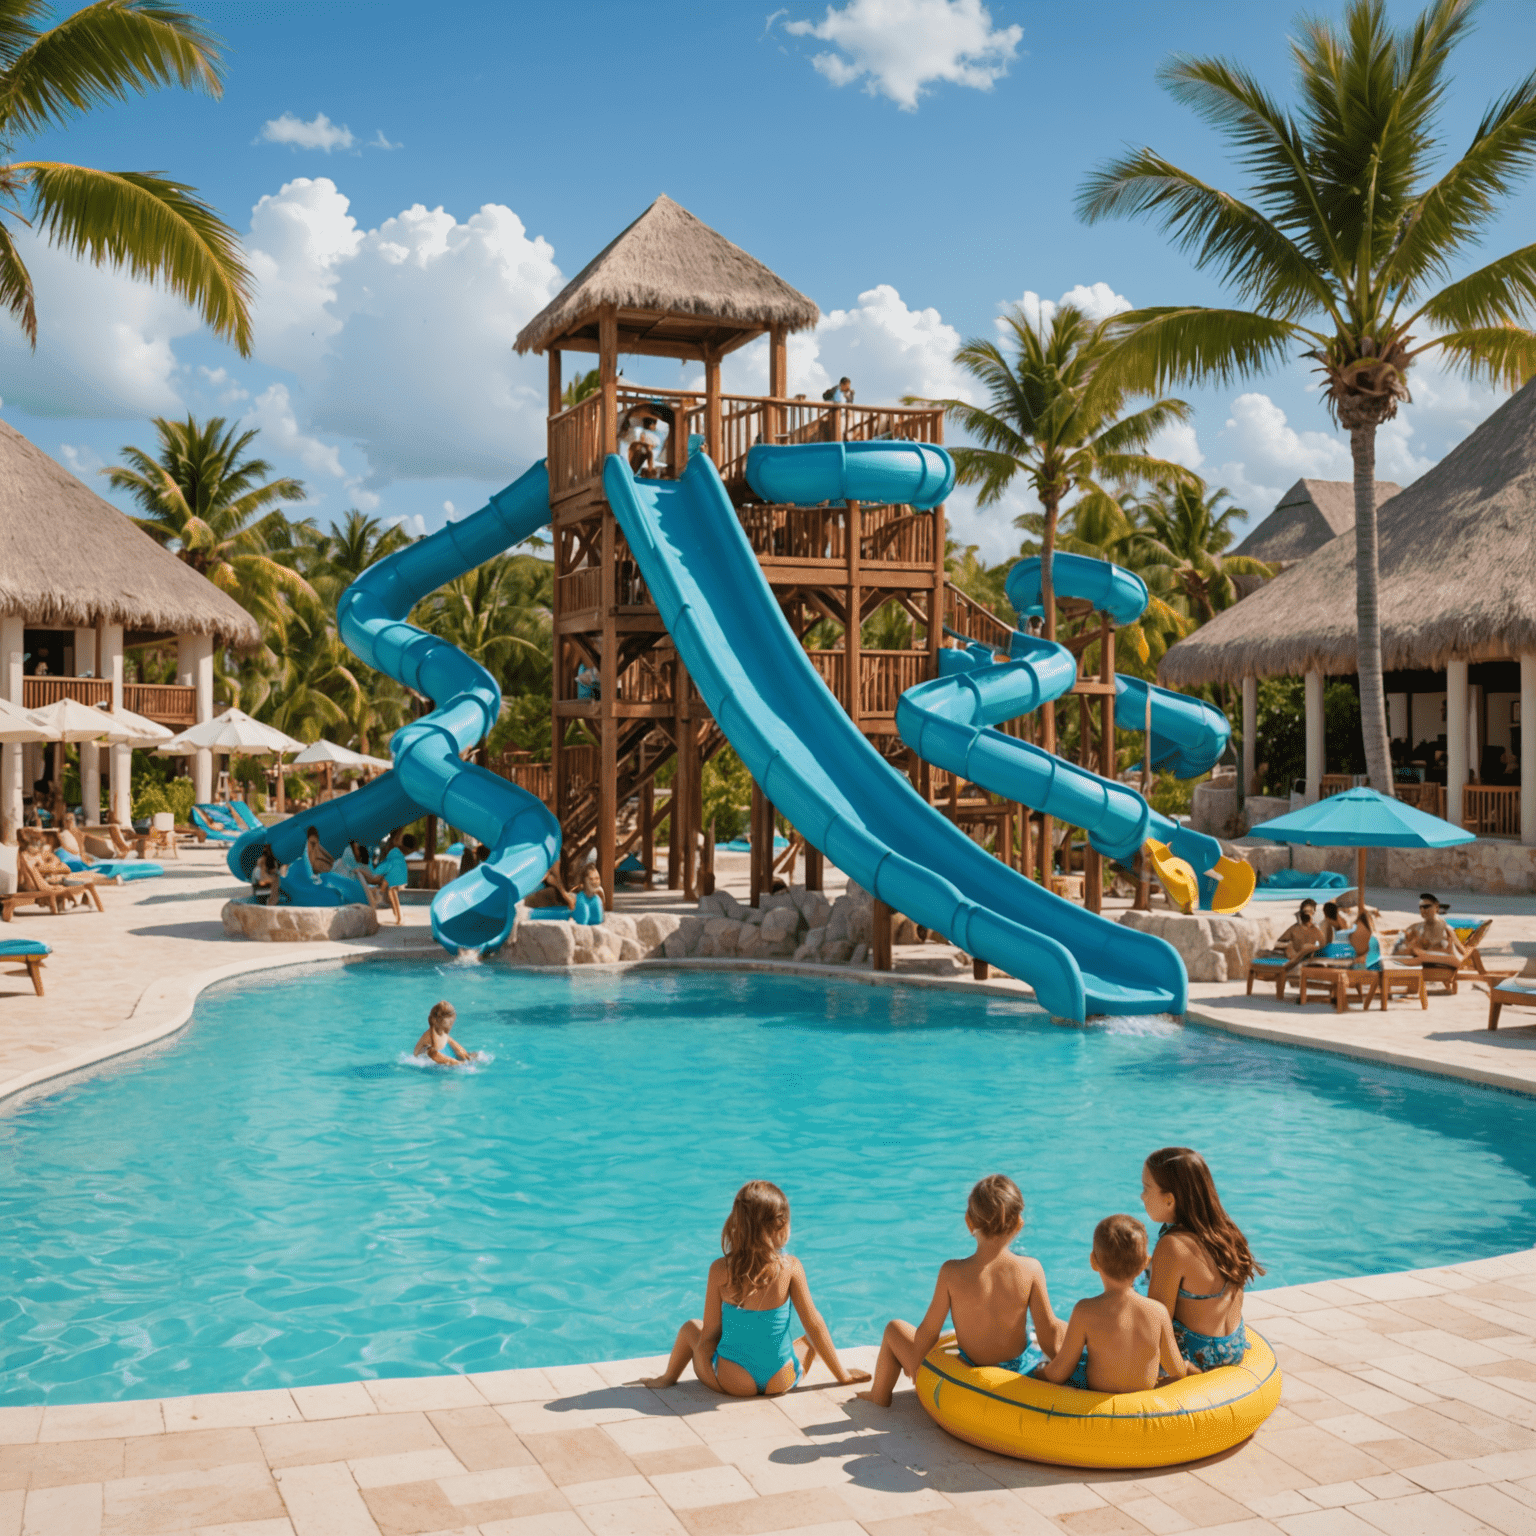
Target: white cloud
378, 141
81, 461
223, 387
104, 341
318, 133
272, 411
897, 47
1096, 300
414, 525
448, 509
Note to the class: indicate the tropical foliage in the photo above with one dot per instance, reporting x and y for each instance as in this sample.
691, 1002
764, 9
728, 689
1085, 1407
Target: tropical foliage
1341, 250
146, 224
1183, 534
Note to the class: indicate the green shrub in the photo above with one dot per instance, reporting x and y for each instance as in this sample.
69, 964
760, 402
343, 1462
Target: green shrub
1171, 796
727, 795
178, 797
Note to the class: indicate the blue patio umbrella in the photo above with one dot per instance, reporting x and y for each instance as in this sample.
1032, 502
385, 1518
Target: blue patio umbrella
1360, 819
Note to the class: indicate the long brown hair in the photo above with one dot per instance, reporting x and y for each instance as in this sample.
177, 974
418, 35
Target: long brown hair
1197, 1209
752, 1235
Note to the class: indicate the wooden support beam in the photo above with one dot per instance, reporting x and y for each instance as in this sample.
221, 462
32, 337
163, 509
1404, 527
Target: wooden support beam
755, 838
556, 388
854, 608
608, 375
880, 937
648, 828
714, 419
813, 867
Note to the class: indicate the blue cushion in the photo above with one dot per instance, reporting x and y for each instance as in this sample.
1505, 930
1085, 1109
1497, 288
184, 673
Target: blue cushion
9, 947
1268, 960
1301, 880
1515, 984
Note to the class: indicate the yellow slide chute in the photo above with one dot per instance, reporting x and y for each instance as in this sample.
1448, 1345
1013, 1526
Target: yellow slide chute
1037, 1421
1235, 880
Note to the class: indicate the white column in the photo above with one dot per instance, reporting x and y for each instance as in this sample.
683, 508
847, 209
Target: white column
194, 669
1250, 730
1315, 765
110, 666
1456, 738
1528, 747
90, 753
12, 655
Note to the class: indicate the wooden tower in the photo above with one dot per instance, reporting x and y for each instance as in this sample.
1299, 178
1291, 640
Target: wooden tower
671, 287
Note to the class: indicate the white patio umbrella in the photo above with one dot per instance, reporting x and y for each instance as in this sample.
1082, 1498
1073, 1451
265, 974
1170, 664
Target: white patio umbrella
20, 725
125, 728
233, 731
68, 720
330, 756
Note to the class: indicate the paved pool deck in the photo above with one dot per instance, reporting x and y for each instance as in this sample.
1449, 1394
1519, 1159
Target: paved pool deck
1409, 1403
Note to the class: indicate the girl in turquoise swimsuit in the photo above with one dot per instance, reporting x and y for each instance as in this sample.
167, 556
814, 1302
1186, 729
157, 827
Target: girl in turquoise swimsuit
743, 1346
1202, 1261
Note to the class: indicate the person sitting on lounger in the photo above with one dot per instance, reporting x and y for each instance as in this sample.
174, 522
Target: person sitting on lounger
1302, 938
1431, 940
70, 840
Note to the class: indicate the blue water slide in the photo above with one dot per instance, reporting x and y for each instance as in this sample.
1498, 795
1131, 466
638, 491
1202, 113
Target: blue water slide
476, 911
948, 722
817, 766
1188, 735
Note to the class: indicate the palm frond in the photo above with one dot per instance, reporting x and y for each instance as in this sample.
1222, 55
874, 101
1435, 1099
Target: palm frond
1155, 346
156, 229
16, 286
1502, 293
1500, 354
105, 53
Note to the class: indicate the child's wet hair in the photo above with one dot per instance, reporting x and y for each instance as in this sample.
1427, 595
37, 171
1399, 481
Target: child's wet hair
996, 1208
753, 1234
1120, 1246
442, 1015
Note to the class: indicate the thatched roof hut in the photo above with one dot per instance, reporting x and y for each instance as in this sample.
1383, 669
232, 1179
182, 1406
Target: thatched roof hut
1458, 575
1309, 515
680, 288
69, 559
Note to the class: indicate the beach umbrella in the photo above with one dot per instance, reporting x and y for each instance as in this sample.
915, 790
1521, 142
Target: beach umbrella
124, 728
329, 755
233, 731
68, 720
1361, 818
20, 725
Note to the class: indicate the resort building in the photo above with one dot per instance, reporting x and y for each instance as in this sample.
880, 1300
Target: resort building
1458, 632
82, 588
1311, 514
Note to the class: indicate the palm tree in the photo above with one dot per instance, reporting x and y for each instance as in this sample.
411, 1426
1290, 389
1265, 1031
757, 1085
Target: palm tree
581, 386
332, 561
1182, 532
313, 688
1342, 247
1056, 416
155, 228
216, 509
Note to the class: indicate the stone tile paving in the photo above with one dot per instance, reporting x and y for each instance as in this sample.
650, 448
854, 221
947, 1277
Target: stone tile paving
1409, 1407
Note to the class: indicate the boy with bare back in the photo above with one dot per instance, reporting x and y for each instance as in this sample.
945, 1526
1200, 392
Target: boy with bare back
1115, 1342
990, 1296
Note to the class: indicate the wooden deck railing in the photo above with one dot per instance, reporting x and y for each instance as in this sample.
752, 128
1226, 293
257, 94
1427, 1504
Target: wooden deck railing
833, 667
796, 533
581, 590
964, 615
1491, 810
576, 436
646, 681
885, 675
1424, 797
172, 704
895, 536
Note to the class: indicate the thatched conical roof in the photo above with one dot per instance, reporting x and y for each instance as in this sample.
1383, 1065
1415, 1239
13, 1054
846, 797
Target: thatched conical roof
1309, 514
1458, 575
69, 559
668, 262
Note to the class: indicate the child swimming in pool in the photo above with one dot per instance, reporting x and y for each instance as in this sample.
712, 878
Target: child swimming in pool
1116, 1342
1202, 1260
990, 1295
742, 1346
437, 1040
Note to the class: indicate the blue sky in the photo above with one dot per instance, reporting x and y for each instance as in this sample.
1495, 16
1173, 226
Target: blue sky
909, 164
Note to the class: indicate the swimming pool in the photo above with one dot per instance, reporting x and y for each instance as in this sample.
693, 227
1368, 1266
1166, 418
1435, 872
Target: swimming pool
275, 1197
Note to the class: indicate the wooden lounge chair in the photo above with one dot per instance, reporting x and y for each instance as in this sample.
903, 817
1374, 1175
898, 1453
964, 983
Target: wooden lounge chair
124, 841
33, 879
1267, 968
1338, 981
31, 953
1512, 992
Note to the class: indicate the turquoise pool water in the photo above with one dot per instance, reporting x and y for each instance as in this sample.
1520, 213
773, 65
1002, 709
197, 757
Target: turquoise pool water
276, 1197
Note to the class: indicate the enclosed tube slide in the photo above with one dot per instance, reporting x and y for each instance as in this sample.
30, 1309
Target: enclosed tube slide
476, 911
948, 721
817, 766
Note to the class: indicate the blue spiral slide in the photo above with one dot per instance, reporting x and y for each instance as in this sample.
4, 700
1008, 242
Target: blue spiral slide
816, 765
947, 721
476, 911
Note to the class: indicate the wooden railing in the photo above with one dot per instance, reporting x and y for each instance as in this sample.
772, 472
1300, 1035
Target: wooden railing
536, 778
885, 675
1491, 810
576, 435
1334, 784
796, 533
576, 446
966, 616
895, 536
646, 681
167, 703
833, 667
39, 692
581, 590
1424, 797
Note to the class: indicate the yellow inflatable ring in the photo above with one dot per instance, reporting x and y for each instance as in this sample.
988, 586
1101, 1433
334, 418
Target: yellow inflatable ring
1038, 1421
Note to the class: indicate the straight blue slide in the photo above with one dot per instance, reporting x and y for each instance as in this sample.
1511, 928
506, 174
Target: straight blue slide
815, 764
476, 911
